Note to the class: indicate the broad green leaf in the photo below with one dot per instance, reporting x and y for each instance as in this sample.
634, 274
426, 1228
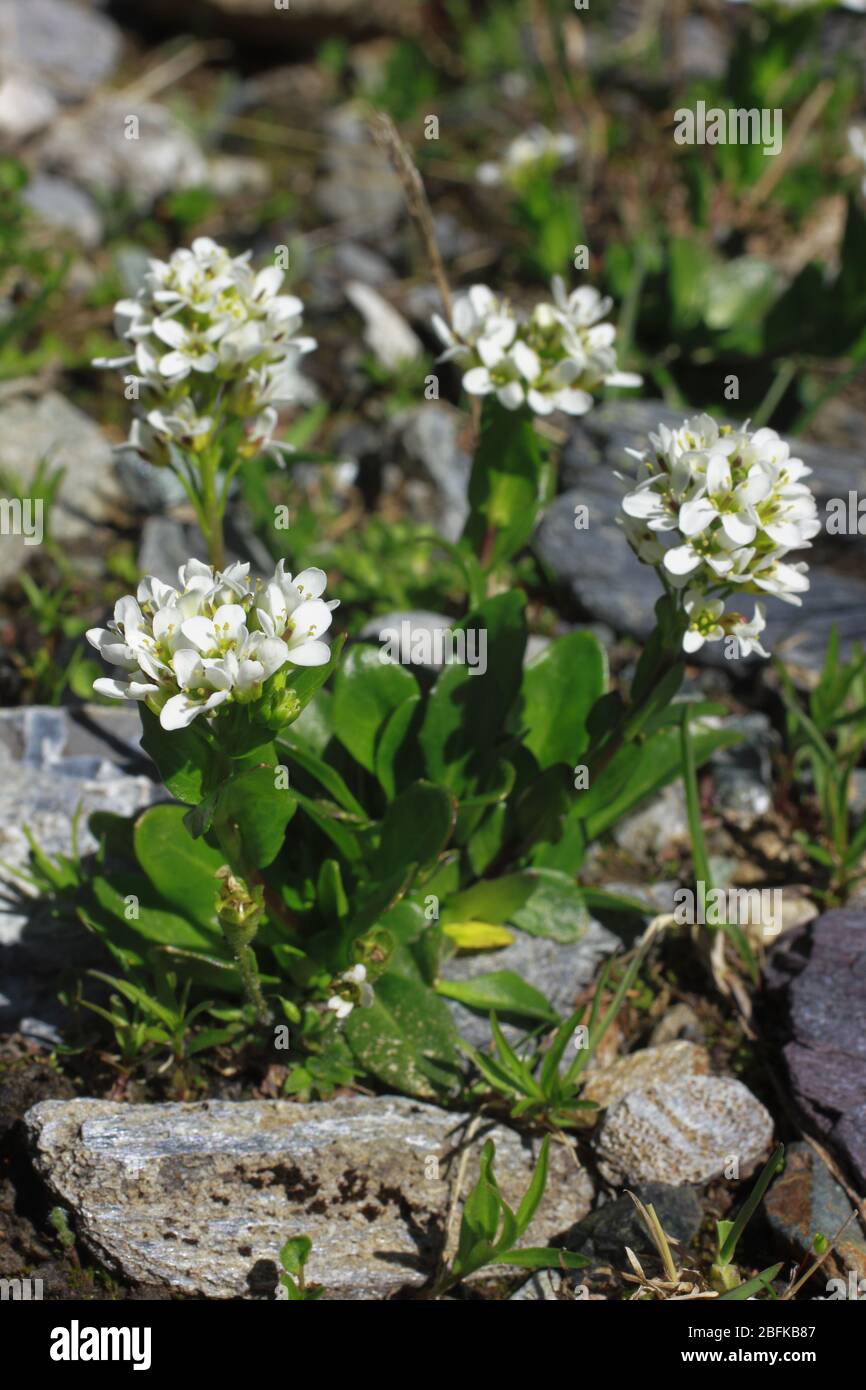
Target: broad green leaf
180, 868
559, 688
465, 714
416, 828
260, 810
328, 777
538, 1257
406, 1038
542, 902
366, 693
146, 923
183, 756
502, 992
657, 764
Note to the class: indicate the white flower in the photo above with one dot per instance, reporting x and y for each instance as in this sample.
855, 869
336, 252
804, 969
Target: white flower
352, 988
536, 146
704, 625
719, 510
748, 634
213, 640
552, 360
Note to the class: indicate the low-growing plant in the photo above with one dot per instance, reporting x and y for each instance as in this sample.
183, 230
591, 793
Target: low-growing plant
490, 1230
827, 737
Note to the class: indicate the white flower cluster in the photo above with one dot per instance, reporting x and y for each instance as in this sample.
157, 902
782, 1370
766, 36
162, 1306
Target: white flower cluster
212, 343
215, 638
552, 360
351, 988
718, 509
536, 147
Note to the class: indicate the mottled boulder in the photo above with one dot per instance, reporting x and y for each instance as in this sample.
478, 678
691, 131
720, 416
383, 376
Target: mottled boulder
671, 1061
201, 1197
685, 1131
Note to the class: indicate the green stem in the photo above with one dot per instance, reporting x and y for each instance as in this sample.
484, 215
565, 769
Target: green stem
213, 515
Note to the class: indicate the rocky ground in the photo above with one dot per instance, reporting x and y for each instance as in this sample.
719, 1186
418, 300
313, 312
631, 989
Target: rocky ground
112, 1187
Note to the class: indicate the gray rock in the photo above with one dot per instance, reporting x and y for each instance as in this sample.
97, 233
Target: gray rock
119, 146
817, 977
544, 1287
558, 971
386, 332
202, 1197
358, 186
606, 1232
52, 429
806, 1201
429, 434
743, 774
25, 107
66, 207
67, 47
685, 1131
53, 764
234, 175
166, 544
150, 488
650, 832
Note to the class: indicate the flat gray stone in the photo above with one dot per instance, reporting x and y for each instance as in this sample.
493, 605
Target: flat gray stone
201, 1197
805, 1201
684, 1131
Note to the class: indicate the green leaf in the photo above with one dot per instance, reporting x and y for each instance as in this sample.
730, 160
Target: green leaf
295, 1253
507, 485
180, 868
328, 777
152, 925
260, 810
466, 713
649, 766
752, 1286
559, 688
416, 828
541, 902
183, 756
502, 992
406, 1038
391, 740
366, 693
540, 1257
